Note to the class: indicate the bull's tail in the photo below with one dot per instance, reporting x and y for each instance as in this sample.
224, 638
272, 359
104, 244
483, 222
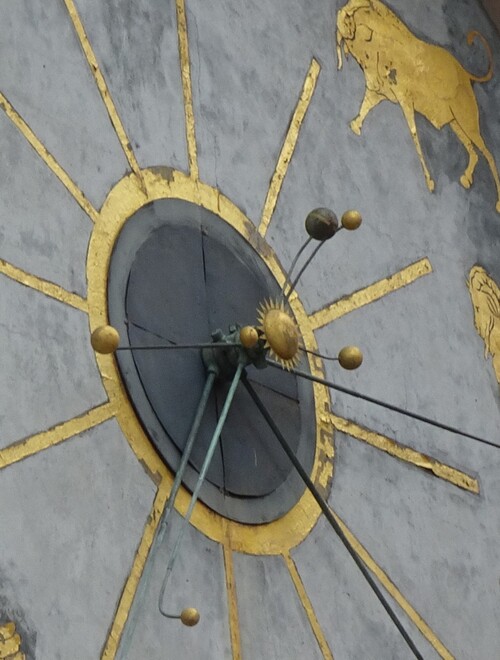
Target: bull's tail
489, 74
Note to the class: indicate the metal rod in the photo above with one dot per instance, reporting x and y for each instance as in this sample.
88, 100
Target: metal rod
199, 483
301, 271
330, 517
177, 346
320, 355
294, 263
162, 527
389, 406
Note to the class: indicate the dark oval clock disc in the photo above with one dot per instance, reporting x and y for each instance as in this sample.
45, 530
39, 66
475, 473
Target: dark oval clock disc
177, 274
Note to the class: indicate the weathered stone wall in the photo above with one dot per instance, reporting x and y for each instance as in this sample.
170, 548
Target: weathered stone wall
78, 509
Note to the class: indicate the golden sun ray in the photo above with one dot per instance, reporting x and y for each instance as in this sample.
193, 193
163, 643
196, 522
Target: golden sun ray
391, 589
43, 286
308, 608
186, 88
232, 601
122, 612
288, 147
48, 159
55, 435
369, 294
404, 453
103, 88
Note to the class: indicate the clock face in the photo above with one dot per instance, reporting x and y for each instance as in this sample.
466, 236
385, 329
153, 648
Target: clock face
178, 274
158, 161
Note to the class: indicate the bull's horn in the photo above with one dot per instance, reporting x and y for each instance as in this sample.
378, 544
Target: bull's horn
339, 51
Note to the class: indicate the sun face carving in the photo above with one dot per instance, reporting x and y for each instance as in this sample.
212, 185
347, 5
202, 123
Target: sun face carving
280, 333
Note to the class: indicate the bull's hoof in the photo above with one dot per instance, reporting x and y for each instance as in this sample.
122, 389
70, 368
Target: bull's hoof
498, 206
465, 181
355, 127
430, 184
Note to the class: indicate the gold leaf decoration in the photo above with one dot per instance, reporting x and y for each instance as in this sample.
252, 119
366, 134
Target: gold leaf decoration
418, 76
10, 642
485, 296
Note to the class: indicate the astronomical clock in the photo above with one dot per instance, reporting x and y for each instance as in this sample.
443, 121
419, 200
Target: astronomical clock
232, 427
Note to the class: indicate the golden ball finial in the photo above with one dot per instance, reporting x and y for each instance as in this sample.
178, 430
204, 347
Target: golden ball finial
190, 616
105, 339
249, 336
350, 357
351, 220
280, 332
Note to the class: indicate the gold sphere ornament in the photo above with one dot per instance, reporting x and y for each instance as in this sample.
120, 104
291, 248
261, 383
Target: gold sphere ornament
190, 616
351, 220
105, 339
280, 333
249, 336
350, 357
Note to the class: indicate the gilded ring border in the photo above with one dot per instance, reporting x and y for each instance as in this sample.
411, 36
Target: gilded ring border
124, 199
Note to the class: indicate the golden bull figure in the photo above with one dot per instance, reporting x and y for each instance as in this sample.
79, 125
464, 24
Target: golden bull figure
419, 76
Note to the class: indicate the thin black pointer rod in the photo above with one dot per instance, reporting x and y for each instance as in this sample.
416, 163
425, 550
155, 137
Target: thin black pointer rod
301, 271
294, 263
389, 406
329, 516
320, 355
176, 346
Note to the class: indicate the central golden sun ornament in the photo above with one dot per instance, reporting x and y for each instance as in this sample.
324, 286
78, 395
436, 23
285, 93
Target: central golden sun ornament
280, 333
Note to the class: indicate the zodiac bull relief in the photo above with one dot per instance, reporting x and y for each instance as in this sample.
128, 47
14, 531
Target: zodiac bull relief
485, 296
419, 76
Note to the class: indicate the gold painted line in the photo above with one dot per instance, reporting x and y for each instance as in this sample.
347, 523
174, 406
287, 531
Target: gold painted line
103, 88
130, 588
232, 601
371, 293
55, 435
43, 286
48, 159
391, 588
398, 450
288, 147
308, 608
186, 88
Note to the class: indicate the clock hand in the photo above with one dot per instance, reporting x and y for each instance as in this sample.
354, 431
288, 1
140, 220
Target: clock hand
389, 406
329, 516
303, 349
301, 271
293, 264
176, 346
105, 339
242, 362
162, 527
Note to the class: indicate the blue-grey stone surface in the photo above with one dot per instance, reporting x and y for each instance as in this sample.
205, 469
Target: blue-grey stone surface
70, 522
72, 516
48, 367
273, 621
